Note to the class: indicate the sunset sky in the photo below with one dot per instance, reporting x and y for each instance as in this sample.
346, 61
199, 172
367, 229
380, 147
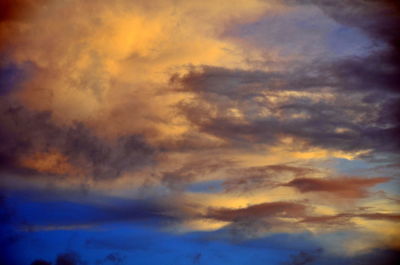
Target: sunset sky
212, 132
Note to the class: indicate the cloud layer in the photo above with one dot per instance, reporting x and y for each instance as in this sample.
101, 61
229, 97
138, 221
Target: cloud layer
235, 123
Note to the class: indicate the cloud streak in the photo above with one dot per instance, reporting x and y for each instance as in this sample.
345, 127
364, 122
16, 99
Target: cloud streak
341, 187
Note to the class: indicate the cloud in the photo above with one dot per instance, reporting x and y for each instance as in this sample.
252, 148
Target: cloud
380, 20
161, 92
336, 103
344, 217
33, 145
192, 171
12, 76
111, 66
272, 209
303, 258
253, 107
18, 9
341, 187
252, 178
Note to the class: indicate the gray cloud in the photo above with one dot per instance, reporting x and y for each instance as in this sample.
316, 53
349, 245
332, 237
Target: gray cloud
194, 170
247, 179
355, 118
272, 209
24, 132
304, 258
246, 107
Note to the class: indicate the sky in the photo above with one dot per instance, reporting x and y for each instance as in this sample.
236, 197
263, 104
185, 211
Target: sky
178, 132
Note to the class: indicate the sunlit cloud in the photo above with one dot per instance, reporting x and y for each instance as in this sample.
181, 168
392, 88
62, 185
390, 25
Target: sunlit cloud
255, 128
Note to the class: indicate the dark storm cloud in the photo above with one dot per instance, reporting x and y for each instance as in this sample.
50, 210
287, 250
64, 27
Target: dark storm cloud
24, 133
341, 187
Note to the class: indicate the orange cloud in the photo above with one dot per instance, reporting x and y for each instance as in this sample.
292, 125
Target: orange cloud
51, 162
341, 187
106, 64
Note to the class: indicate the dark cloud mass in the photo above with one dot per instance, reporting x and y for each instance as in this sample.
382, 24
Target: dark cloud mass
360, 110
33, 135
351, 119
